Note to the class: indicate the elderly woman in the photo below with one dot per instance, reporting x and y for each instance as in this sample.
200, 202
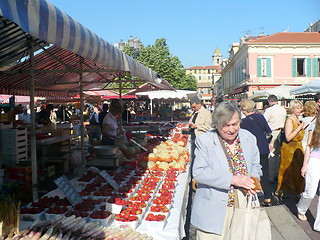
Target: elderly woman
289, 178
217, 176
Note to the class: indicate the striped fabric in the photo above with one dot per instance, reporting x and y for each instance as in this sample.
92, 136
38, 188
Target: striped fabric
46, 22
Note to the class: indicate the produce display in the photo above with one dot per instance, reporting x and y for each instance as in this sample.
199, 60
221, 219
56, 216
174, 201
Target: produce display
61, 227
146, 194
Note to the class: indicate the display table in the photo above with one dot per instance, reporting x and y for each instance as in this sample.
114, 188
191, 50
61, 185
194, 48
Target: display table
174, 228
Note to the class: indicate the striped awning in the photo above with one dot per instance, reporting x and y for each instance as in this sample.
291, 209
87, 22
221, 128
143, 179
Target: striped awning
46, 24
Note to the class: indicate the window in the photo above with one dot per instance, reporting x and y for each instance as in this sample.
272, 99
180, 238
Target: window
199, 77
305, 67
208, 71
209, 77
300, 66
264, 67
195, 71
218, 61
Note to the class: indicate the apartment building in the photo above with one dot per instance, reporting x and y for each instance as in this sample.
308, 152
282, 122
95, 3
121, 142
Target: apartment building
206, 76
262, 62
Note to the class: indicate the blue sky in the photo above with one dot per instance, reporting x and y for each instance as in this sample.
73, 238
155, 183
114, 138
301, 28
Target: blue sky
193, 28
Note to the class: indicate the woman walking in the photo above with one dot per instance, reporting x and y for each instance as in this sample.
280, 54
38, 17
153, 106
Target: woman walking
225, 159
289, 178
258, 126
311, 172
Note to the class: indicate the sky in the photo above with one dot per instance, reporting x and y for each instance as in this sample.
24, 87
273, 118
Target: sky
193, 28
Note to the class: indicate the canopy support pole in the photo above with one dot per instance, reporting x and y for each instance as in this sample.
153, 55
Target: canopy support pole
120, 99
151, 111
33, 143
81, 110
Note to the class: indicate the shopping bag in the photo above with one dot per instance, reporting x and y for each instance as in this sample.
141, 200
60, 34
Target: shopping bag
250, 222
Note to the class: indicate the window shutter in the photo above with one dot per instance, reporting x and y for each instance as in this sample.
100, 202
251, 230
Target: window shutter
294, 67
258, 67
268, 67
315, 67
309, 67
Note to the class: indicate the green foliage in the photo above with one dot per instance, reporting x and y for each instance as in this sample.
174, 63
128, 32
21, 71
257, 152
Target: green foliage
158, 58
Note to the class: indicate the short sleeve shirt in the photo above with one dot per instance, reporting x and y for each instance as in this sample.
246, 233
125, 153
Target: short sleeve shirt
112, 122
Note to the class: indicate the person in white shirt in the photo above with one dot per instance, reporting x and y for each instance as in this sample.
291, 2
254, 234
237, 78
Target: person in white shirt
24, 116
276, 116
110, 127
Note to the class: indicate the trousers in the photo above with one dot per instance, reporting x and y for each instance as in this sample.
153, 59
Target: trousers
202, 235
312, 181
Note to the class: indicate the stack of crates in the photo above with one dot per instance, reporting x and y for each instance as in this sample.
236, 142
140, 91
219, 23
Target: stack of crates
14, 145
23, 174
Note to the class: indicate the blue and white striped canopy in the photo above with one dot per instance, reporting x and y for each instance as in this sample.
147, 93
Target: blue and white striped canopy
44, 21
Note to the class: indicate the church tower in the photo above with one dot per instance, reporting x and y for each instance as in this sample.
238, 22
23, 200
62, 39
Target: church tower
217, 58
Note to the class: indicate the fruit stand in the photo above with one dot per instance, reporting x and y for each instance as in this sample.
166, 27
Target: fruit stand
147, 200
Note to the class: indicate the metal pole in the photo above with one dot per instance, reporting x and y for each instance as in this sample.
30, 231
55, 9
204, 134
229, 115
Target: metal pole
81, 110
120, 100
33, 144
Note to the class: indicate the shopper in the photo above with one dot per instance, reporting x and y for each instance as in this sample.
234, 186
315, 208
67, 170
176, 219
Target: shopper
95, 130
24, 117
276, 117
289, 178
311, 172
309, 116
213, 203
258, 126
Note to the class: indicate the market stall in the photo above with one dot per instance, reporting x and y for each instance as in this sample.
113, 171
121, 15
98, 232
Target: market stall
282, 92
48, 53
165, 95
307, 88
149, 198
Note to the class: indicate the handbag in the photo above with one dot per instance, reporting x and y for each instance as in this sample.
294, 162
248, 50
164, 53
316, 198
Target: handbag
249, 222
281, 138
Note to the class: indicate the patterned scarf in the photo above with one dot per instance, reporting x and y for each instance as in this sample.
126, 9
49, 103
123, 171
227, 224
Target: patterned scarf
239, 166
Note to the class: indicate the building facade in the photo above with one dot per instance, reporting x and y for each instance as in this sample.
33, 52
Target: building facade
207, 76
263, 62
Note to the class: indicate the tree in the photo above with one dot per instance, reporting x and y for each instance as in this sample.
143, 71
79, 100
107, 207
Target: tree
158, 58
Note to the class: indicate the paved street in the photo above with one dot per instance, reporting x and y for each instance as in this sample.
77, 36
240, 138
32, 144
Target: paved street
284, 223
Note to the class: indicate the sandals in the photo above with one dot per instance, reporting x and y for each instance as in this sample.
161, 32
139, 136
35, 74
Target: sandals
266, 203
302, 217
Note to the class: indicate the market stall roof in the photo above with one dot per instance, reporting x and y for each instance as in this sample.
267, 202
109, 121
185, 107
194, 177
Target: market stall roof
307, 88
167, 94
61, 39
282, 91
4, 98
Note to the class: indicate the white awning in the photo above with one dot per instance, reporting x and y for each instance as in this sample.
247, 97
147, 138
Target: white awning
166, 94
307, 88
282, 91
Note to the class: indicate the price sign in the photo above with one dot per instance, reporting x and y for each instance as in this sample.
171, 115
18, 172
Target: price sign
110, 180
68, 190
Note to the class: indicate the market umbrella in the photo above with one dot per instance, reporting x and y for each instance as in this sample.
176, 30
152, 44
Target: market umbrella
282, 91
309, 87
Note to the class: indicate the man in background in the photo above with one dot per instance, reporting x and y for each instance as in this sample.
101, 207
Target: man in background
200, 122
276, 116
